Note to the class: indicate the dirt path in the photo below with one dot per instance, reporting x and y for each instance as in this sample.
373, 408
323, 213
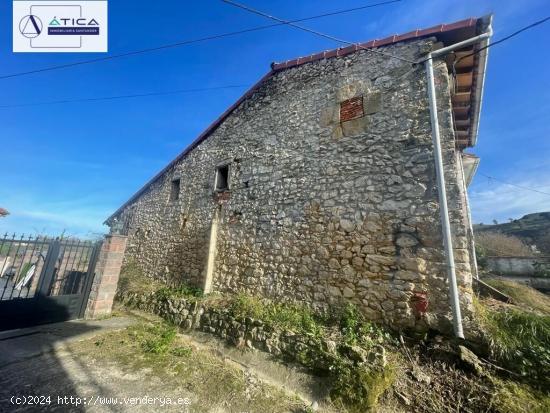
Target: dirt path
121, 371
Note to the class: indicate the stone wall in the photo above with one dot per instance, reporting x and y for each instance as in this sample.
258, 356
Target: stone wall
247, 332
318, 210
522, 266
193, 315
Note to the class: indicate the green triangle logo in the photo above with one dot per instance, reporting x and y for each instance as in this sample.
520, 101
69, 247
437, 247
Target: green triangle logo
54, 22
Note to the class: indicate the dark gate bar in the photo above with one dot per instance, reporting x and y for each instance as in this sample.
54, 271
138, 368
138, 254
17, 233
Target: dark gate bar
44, 279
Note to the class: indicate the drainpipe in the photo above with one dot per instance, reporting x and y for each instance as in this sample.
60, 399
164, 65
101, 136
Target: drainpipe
444, 211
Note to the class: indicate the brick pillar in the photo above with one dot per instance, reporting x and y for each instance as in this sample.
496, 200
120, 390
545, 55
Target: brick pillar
107, 270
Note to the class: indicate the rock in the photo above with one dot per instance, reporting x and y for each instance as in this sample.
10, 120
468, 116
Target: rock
329, 346
412, 264
322, 252
377, 356
187, 324
394, 180
334, 291
355, 353
406, 240
469, 359
407, 275
381, 259
391, 205
347, 225
348, 292
420, 376
372, 103
357, 262
348, 272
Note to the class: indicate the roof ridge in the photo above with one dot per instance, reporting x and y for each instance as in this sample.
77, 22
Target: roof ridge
370, 44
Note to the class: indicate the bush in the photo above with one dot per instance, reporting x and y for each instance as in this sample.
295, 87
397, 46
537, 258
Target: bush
132, 279
358, 388
183, 290
481, 257
498, 244
356, 329
288, 316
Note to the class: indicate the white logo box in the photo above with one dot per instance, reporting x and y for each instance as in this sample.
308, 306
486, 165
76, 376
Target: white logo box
60, 26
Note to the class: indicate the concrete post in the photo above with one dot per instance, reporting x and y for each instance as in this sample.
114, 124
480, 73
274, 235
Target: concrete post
107, 271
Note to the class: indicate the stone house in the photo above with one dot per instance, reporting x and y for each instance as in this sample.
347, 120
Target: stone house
319, 184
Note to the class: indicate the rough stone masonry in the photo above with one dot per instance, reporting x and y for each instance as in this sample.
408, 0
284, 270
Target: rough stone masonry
318, 188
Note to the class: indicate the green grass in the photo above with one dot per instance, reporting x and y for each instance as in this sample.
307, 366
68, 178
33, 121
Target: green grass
183, 290
359, 389
355, 388
522, 294
519, 341
512, 397
286, 316
356, 329
160, 339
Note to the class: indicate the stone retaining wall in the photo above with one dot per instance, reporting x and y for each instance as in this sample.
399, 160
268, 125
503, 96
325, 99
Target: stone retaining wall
519, 266
243, 333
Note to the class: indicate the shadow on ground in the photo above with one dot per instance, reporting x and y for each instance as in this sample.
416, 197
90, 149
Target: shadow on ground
34, 367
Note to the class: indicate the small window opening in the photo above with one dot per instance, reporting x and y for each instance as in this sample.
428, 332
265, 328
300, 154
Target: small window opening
175, 190
222, 178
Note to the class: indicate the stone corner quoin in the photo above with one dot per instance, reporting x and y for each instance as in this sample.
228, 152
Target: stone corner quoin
313, 208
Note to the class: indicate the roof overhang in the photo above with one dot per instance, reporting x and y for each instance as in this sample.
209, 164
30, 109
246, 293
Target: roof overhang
468, 66
470, 163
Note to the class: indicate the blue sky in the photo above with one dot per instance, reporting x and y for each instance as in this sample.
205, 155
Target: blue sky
70, 166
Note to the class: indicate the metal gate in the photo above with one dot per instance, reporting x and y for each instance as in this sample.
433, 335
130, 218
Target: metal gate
44, 280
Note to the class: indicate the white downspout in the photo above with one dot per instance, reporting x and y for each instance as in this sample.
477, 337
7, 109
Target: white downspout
444, 211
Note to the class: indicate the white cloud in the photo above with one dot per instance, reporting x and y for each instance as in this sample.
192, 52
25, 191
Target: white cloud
490, 199
32, 215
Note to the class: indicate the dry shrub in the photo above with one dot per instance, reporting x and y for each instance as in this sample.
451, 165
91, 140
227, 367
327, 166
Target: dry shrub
501, 245
523, 295
132, 279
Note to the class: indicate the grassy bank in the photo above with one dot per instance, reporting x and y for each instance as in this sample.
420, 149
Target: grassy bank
370, 367
522, 295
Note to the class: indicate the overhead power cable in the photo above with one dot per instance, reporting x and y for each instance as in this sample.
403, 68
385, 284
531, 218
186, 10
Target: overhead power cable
505, 38
517, 186
315, 32
136, 95
193, 41
530, 26
281, 22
